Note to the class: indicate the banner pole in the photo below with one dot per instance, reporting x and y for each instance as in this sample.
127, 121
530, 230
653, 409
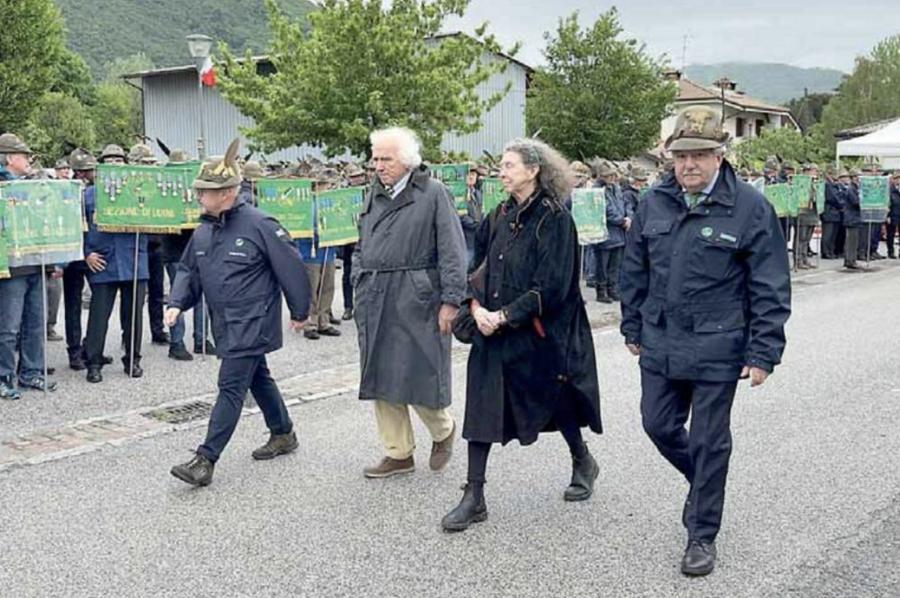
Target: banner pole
134, 286
202, 326
44, 316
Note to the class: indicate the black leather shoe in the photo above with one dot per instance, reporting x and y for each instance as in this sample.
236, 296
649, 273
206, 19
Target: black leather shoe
330, 331
471, 509
196, 472
334, 321
134, 372
699, 558
94, 375
210, 348
179, 353
278, 444
348, 314
160, 338
603, 297
584, 473
312, 335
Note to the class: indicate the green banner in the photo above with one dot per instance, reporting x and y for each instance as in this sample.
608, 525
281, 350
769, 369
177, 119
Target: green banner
192, 209
779, 196
43, 222
820, 196
874, 198
589, 213
134, 198
290, 201
801, 190
337, 215
454, 177
493, 194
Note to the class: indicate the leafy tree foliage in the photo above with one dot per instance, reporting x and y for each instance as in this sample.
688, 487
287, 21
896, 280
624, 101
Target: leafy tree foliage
599, 94
785, 143
59, 123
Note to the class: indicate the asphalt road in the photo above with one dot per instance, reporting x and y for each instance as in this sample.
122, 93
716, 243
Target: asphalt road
813, 505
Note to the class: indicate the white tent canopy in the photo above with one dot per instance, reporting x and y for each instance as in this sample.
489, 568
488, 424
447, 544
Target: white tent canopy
885, 143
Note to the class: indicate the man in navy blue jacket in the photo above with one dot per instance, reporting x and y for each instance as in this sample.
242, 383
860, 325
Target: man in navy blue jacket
242, 260
705, 296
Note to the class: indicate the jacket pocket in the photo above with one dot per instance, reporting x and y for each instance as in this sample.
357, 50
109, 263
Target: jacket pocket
422, 285
720, 335
245, 327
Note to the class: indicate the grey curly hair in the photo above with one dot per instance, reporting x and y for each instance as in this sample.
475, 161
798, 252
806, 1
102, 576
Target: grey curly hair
555, 176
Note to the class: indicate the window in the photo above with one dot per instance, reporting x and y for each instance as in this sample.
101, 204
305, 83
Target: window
739, 127
759, 126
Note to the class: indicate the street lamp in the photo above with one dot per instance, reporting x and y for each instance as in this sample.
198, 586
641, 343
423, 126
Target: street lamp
199, 46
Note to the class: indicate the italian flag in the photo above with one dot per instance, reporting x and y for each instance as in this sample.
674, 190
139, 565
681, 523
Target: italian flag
208, 73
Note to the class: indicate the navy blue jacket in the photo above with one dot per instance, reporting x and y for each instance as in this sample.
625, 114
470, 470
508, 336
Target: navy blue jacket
615, 220
706, 291
116, 248
852, 216
631, 197
834, 202
895, 204
242, 261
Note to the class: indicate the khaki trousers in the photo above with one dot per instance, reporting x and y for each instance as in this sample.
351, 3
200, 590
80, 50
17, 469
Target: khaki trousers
321, 282
395, 427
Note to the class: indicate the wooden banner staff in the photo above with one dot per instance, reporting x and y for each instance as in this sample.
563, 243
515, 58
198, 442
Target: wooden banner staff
134, 286
44, 315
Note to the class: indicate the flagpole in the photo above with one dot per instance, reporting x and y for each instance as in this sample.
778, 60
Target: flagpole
134, 287
44, 312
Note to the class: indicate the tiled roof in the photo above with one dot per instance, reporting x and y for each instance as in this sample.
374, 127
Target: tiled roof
690, 91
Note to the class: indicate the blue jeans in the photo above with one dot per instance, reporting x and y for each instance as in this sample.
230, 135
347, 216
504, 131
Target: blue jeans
177, 331
22, 318
237, 375
590, 262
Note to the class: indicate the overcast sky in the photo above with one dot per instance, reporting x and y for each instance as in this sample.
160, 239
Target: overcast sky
826, 33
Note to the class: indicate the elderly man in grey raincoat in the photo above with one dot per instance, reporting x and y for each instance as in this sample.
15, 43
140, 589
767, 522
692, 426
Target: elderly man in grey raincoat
409, 275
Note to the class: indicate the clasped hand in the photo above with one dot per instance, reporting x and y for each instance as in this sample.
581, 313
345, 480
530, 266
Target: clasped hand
488, 321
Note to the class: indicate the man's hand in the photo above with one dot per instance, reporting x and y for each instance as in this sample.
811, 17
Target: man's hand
446, 315
57, 272
171, 316
488, 321
633, 349
297, 325
95, 262
757, 375
627, 223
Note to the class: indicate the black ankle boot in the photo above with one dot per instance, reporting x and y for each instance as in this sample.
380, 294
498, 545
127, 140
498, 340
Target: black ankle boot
584, 472
471, 509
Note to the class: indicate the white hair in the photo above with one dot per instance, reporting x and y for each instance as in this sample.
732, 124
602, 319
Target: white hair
408, 145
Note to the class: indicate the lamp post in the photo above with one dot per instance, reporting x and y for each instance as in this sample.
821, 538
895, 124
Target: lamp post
199, 46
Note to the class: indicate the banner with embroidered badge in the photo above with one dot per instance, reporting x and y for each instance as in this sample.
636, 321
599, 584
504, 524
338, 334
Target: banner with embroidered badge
802, 193
779, 195
192, 209
131, 198
493, 194
42, 222
337, 216
454, 177
874, 198
589, 214
291, 202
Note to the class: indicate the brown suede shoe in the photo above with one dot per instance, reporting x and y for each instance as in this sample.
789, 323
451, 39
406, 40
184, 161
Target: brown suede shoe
389, 467
442, 451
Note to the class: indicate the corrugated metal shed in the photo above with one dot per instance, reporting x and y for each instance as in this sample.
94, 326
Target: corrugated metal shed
171, 114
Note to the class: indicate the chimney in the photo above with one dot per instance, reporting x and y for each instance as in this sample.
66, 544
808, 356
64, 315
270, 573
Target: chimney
672, 75
726, 84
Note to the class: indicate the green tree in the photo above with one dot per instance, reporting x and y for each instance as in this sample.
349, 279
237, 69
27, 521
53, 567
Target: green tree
117, 114
31, 43
785, 143
809, 108
599, 94
870, 93
362, 67
59, 123
72, 76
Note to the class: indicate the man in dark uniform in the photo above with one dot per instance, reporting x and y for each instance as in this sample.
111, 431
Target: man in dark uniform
242, 260
831, 217
855, 239
894, 214
705, 296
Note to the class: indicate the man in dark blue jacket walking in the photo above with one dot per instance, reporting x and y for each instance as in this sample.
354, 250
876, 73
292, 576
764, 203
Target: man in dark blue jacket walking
705, 296
242, 260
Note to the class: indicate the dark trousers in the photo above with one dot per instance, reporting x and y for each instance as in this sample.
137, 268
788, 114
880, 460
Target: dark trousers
892, 227
609, 262
829, 239
700, 454
74, 276
155, 290
851, 245
566, 420
347, 269
874, 237
103, 297
237, 375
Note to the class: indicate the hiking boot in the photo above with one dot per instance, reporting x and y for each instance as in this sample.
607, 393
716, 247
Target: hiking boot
196, 472
37, 383
584, 473
390, 467
278, 444
471, 509
178, 352
699, 558
8, 392
442, 451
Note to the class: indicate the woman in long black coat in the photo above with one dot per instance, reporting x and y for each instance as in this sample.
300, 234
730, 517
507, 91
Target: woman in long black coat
531, 368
